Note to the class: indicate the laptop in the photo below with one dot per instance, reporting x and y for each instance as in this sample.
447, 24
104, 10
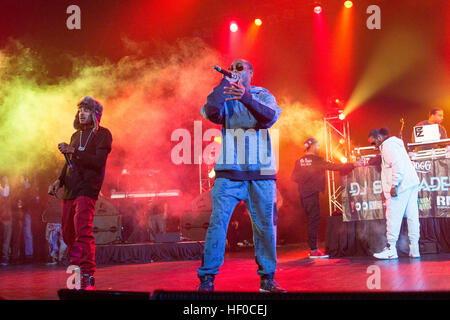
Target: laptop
426, 133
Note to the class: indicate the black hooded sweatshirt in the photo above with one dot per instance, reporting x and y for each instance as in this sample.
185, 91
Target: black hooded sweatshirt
86, 177
309, 173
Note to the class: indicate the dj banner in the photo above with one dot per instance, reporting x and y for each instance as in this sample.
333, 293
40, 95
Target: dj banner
362, 197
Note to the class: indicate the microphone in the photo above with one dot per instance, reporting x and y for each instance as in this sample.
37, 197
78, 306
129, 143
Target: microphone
69, 163
226, 73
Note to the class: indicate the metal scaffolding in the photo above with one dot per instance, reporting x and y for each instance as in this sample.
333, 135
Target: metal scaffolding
337, 142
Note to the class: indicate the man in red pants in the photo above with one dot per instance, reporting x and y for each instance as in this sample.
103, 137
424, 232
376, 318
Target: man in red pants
82, 178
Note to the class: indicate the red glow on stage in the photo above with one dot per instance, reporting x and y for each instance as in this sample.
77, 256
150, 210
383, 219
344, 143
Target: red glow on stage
258, 22
234, 27
348, 4
343, 52
317, 9
322, 57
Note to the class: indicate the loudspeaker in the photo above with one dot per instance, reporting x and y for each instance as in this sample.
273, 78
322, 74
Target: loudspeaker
107, 229
195, 224
202, 202
104, 208
168, 237
66, 294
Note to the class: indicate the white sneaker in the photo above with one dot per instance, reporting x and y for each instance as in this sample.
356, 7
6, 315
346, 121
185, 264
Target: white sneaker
414, 251
387, 253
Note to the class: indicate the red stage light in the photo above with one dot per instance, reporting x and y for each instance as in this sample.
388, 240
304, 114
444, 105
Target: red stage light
234, 27
348, 4
258, 22
341, 116
317, 9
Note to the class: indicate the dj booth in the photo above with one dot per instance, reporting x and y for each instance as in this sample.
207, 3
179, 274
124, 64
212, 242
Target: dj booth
361, 228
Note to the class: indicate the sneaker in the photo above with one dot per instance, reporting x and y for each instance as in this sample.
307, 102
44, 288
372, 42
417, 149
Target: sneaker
206, 283
51, 262
87, 282
4, 262
317, 254
387, 253
414, 251
269, 285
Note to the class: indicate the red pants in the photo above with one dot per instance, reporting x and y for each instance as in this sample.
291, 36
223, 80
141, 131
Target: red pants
77, 231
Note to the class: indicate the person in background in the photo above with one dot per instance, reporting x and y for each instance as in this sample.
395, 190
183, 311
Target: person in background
435, 116
18, 213
26, 197
400, 185
52, 216
5, 220
309, 174
157, 217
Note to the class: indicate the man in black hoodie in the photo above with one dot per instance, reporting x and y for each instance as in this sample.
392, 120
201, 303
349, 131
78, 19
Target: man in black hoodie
309, 173
82, 180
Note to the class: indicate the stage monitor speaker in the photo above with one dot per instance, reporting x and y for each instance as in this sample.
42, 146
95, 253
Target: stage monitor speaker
168, 237
66, 294
105, 208
195, 224
202, 202
107, 229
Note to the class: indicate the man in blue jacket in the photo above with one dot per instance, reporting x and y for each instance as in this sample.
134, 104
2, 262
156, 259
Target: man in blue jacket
245, 170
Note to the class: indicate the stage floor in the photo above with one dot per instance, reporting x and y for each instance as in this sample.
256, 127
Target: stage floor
296, 273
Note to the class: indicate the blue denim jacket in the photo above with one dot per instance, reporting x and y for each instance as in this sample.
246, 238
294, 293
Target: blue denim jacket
246, 151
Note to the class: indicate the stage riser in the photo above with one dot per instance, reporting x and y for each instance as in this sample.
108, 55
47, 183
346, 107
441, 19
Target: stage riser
148, 252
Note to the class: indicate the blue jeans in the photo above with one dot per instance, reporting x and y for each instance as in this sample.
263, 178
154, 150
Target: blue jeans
56, 245
28, 236
260, 198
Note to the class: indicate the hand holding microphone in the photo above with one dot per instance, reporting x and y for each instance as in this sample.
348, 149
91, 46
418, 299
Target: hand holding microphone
230, 76
66, 149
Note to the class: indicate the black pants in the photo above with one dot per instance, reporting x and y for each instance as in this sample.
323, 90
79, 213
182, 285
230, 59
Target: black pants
311, 207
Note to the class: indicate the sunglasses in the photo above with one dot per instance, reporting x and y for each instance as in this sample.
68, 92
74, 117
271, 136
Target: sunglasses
238, 67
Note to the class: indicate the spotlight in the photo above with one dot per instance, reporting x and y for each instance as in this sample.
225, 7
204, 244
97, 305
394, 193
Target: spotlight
317, 9
258, 22
344, 159
212, 174
233, 27
342, 141
348, 4
341, 116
